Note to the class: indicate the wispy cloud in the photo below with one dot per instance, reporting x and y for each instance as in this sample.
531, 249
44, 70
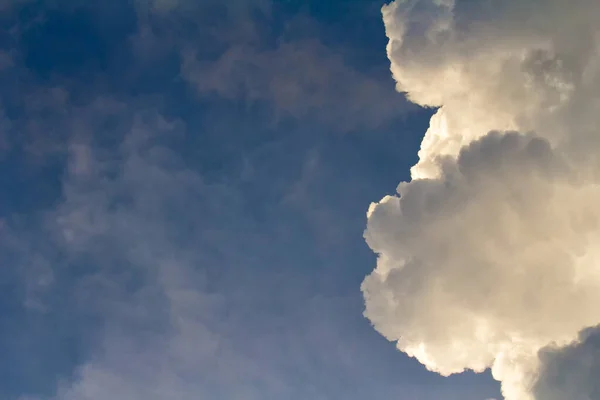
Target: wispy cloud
244, 54
176, 223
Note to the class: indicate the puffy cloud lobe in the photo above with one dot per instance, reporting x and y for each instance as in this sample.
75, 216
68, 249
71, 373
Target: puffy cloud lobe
489, 254
507, 65
493, 258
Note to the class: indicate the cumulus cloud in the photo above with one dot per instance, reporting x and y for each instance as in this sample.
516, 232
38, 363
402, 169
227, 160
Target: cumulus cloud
499, 65
489, 253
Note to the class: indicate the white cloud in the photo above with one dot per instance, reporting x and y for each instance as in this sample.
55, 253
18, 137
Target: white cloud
504, 65
489, 254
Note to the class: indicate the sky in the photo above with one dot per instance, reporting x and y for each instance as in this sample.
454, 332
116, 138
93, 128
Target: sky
183, 195
286, 199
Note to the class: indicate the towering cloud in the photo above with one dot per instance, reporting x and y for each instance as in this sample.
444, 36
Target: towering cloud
489, 257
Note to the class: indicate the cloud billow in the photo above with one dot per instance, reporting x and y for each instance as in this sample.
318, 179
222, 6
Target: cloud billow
489, 254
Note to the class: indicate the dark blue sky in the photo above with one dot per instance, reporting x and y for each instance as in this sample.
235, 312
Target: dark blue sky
182, 200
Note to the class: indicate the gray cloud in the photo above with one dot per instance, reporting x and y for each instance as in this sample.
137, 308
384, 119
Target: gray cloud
161, 279
149, 279
572, 371
236, 52
133, 232
302, 79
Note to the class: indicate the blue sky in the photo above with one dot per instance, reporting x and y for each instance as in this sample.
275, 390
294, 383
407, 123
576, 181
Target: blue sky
183, 196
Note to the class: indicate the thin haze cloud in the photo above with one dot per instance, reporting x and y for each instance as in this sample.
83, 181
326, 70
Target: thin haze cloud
160, 240
158, 273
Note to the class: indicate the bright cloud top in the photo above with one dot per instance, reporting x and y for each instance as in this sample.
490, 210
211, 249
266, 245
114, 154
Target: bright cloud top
490, 253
